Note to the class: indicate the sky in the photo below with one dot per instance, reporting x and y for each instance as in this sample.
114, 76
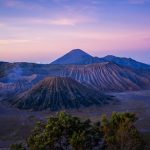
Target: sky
42, 30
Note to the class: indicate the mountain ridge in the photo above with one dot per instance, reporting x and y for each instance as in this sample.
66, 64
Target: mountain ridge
127, 62
108, 76
101, 74
75, 57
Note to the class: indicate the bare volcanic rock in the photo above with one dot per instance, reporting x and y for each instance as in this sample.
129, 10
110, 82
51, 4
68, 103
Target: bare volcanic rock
57, 93
108, 77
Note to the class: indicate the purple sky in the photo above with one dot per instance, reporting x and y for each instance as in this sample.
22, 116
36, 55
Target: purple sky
42, 30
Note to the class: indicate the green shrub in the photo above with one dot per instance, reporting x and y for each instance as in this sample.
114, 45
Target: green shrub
63, 132
120, 132
17, 147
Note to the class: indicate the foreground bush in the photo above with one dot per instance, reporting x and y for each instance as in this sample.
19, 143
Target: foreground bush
120, 132
17, 147
65, 132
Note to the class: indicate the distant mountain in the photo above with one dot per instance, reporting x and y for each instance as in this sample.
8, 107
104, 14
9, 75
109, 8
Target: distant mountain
76, 56
4, 68
108, 76
12, 72
109, 73
56, 93
126, 62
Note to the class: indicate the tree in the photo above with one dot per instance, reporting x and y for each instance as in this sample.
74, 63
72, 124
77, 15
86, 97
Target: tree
65, 132
121, 133
17, 147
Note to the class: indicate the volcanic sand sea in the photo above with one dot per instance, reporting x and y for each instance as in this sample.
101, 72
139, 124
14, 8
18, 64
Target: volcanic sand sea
16, 125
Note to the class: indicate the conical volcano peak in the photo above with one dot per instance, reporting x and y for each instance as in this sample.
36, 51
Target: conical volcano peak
78, 51
56, 93
76, 56
110, 56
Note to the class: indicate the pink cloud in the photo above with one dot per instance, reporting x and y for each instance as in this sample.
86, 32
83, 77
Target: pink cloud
64, 21
11, 41
59, 21
2, 24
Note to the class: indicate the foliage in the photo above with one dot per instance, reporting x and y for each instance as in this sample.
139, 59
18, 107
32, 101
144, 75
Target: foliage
65, 132
121, 133
17, 147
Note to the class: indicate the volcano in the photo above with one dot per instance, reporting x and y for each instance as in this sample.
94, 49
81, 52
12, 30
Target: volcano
57, 93
80, 57
76, 56
108, 76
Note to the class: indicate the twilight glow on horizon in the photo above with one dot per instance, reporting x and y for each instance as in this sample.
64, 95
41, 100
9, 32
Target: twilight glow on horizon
42, 30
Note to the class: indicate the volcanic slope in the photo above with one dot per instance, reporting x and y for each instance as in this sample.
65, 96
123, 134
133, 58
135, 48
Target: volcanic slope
107, 76
56, 93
